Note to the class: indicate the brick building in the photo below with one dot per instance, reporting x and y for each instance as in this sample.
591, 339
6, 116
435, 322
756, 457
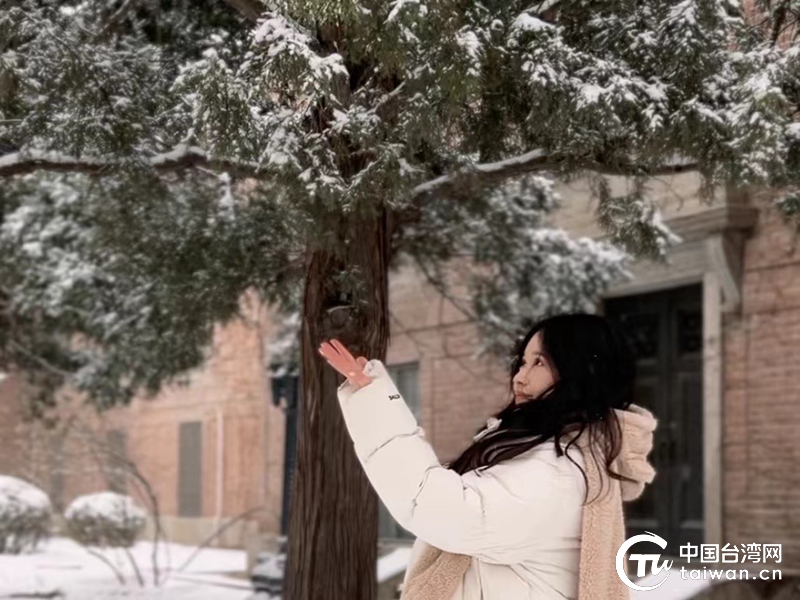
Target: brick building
717, 332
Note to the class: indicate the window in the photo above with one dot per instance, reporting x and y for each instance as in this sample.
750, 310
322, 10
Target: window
406, 377
190, 469
115, 472
57, 471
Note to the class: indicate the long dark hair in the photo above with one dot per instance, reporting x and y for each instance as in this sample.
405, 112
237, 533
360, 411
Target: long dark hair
596, 370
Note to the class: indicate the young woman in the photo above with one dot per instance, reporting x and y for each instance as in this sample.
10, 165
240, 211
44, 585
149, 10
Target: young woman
512, 504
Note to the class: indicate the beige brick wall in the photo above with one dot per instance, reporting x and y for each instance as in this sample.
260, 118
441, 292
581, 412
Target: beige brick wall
457, 393
762, 392
675, 195
20, 454
233, 385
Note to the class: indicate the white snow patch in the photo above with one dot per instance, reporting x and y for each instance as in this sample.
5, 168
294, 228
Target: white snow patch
527, 22
591, 92
469, 42
793, 131
399, 5
63, 565
276, 29
18, 495
109, 506
393, 564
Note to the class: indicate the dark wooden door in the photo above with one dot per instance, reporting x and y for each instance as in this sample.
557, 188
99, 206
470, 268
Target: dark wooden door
665, 330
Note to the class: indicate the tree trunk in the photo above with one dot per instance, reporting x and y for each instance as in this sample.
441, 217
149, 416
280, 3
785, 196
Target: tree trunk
333, 526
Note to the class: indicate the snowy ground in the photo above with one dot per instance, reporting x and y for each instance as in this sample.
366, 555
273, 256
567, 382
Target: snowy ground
393, 563
63, 567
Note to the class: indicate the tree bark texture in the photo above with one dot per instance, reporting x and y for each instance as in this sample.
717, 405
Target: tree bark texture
333, 526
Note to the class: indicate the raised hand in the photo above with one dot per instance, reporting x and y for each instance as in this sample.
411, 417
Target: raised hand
343, 361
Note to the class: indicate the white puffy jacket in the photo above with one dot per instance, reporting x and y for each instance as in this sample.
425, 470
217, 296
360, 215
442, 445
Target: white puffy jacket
519, 520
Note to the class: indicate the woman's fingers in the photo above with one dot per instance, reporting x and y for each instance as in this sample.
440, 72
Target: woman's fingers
345, 363
342, 360
342, 350
346, 358
329, 352
334, 358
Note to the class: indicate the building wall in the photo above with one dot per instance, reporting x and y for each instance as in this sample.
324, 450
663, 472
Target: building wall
762, 383
762, 391
675, 195
457, 393
21, 453
230, 394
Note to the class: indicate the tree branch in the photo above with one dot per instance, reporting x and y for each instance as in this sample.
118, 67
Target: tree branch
218, 532
135, 567
116, 19
537, 161
182, 156
42, 362
249, 9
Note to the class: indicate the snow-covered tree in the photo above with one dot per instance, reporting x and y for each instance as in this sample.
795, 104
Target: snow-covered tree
161, 158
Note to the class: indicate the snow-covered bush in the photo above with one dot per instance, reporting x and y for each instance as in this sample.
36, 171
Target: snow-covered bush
105, 519
25, 515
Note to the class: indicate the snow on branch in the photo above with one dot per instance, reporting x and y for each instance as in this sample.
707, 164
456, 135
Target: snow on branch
182, 156
537, 161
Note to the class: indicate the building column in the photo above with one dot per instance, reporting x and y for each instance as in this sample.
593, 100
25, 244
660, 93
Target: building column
713, 422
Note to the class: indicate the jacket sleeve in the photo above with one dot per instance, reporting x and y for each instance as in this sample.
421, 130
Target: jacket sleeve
494, 516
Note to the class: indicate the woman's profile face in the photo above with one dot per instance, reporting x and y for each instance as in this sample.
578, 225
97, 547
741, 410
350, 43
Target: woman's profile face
535, 374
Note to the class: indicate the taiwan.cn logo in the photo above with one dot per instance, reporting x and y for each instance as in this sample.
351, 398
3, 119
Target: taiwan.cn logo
642, 560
